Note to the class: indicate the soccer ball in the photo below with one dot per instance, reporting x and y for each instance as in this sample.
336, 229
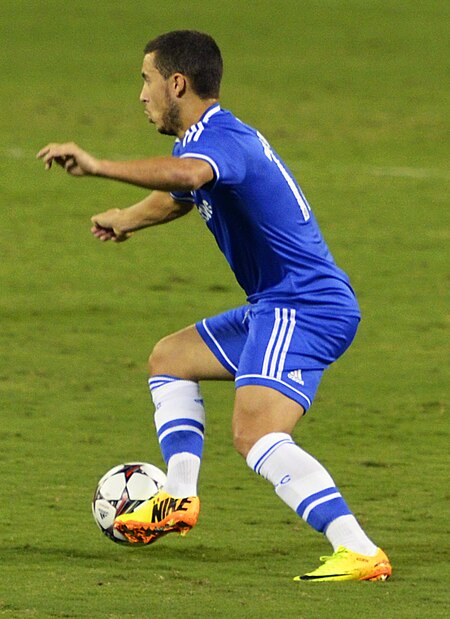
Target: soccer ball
121, 490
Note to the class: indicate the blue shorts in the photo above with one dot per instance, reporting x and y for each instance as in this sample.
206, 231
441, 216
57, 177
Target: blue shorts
282, 347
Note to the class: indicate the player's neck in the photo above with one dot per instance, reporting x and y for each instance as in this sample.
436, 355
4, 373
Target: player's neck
192, 113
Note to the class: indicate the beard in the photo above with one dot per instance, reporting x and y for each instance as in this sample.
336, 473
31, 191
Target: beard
171, 120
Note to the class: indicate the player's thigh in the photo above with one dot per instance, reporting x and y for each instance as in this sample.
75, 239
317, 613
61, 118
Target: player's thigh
185, 355
260, 410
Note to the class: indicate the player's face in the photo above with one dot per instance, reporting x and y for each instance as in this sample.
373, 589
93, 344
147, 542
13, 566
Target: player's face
161, 108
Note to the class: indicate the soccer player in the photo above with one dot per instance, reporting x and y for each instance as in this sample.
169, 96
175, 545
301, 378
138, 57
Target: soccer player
301, 313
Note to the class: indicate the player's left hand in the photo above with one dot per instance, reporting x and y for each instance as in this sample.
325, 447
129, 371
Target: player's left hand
108, 226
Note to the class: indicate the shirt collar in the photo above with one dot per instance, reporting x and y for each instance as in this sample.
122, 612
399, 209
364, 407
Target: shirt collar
213, 109
204, 119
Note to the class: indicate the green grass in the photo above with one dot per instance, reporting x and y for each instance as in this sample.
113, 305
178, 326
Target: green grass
353, 95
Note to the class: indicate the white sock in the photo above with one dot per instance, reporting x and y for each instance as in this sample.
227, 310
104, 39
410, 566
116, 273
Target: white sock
346, 531
179, 421
182, 475
307, 488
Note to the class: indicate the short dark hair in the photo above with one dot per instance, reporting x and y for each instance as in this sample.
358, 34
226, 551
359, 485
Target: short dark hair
195, 54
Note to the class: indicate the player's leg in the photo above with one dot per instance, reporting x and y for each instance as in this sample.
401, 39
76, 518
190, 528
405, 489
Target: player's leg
263, 422
176, 365
185, 354
272, 394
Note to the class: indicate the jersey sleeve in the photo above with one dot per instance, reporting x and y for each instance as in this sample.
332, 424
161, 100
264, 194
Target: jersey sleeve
221, 152
180, 196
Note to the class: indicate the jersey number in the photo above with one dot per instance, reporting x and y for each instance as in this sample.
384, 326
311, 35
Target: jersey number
304, 206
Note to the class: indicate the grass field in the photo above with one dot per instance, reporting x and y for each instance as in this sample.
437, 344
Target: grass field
353, 94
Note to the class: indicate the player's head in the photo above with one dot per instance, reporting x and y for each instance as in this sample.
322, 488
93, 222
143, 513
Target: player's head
176, 63
194, 54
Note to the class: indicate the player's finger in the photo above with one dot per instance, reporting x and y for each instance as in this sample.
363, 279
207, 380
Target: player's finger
48, 159
50, 149
68, 163
45, 150
42, 152
53, 150
104, 234
120, 236
96, 229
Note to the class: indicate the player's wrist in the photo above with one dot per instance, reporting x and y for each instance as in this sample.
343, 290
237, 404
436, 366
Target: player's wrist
126, 221
100, 168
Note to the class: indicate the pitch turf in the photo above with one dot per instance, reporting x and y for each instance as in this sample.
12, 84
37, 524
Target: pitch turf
353, 95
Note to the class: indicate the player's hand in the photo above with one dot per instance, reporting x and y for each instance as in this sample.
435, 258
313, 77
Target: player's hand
108, 226
71, 157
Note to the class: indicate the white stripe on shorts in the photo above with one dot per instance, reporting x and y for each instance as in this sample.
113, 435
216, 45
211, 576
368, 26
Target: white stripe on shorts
272, 339
219, 347
280, 339
287, 343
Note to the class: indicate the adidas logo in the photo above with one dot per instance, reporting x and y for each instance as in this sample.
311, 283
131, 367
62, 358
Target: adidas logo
205, 209
296, 376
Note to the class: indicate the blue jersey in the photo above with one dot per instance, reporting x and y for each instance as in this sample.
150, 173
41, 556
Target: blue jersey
260, 218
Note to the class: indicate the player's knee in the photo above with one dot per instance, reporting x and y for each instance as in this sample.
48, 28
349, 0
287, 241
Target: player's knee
169, 357
245, 435
259, 411
243, 443
160, 357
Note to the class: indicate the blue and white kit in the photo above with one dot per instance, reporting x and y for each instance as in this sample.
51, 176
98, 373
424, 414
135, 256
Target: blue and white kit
302, 312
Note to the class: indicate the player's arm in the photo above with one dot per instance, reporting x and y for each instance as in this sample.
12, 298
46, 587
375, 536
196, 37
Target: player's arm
161, 173
119, 224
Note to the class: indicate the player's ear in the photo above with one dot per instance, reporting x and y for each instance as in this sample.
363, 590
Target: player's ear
179, 84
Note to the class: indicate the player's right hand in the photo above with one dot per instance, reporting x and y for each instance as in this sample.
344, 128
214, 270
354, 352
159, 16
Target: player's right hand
71, 157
